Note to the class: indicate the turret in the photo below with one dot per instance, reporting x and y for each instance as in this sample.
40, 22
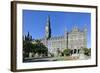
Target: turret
66, 38
75, 28
85, 28
85, 35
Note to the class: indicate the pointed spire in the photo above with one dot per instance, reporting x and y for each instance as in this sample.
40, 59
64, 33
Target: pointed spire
48, 20
48, 28
85, 27
28, 34
75, 28
65, 32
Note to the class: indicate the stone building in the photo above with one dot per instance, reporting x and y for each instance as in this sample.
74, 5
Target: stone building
75, 40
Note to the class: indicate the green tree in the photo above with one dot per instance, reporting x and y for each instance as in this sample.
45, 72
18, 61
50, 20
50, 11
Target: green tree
27, 45
67, 52
27, 48
87, 51
36, 47
39, 48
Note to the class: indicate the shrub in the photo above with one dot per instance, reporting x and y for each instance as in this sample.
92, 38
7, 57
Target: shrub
66, 52
87, 51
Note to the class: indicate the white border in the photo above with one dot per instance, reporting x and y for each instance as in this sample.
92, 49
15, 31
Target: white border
21, 65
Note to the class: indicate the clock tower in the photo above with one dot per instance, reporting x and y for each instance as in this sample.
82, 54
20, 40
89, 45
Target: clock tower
48, 29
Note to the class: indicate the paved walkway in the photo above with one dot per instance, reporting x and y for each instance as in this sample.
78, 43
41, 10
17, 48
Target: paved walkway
64, 58
47, 59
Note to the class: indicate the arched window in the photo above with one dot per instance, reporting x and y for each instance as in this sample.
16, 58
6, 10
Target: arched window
78, 51
74, 51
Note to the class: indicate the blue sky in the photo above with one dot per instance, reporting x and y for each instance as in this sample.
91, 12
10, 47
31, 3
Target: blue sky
34, 22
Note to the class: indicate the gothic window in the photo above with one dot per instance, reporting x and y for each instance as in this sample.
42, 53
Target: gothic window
78, 50
75, 51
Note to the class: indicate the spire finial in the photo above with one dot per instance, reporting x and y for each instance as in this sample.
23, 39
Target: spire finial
28, 34
48, 18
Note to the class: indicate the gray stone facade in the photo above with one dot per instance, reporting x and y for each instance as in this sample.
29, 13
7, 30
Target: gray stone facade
75, 40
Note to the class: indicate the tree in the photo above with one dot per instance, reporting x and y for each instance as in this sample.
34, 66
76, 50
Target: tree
39, 48
27, 45
27, 48
67, 52
87, 51
34, 48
